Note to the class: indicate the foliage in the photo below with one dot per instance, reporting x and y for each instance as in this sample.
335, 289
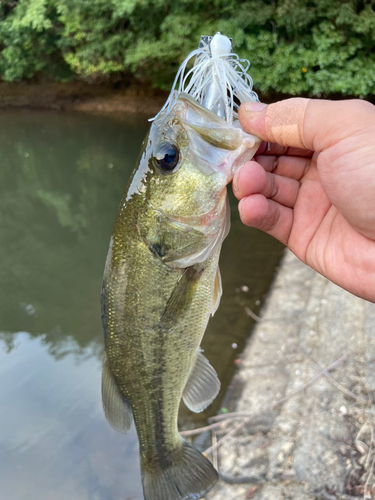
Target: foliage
315, 47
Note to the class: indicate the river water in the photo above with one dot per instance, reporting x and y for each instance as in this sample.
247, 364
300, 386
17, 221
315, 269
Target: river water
61, 178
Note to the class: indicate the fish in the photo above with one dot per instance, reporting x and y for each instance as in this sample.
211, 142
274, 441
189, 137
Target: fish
161, 285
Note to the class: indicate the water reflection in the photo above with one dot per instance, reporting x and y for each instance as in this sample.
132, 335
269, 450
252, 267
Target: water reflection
55, 443
61, 179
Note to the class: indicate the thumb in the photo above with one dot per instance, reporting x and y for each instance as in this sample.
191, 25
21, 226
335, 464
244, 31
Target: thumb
281, 122
312, 124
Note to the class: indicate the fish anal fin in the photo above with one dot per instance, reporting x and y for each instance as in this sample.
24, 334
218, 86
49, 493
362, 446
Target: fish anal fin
117, 409
217, 292
202, 386
189, 475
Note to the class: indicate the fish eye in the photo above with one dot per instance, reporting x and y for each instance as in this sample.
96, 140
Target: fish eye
166, 156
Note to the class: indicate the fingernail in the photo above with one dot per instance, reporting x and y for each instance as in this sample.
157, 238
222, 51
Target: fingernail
254, 106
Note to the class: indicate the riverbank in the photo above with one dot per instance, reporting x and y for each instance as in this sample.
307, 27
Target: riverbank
105, 98
80, 96
317, 443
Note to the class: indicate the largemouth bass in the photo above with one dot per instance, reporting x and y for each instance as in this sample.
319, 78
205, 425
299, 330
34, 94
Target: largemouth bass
162, 283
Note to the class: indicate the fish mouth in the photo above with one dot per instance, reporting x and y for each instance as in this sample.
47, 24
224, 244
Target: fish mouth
201, 221
226, 145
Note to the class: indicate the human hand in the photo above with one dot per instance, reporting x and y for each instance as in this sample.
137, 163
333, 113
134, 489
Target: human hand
315, 190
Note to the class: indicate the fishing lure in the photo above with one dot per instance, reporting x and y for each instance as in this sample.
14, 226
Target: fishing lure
218, 80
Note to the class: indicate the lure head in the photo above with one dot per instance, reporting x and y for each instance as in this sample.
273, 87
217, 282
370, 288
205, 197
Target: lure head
215, 98
189, 158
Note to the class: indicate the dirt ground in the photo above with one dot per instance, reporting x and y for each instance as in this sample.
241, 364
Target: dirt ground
317, 443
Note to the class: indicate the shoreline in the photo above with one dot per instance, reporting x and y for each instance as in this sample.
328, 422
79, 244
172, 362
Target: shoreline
105, 98
315, 443
83, 97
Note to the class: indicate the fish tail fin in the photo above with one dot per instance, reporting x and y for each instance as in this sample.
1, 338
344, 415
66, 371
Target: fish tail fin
188, 475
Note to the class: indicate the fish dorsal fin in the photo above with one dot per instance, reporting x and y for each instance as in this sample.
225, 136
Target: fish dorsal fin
217, 293
117, 409
203, 385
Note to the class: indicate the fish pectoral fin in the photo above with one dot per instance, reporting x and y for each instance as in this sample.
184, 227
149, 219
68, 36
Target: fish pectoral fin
181, 297
218, 292
117, 409
203, 385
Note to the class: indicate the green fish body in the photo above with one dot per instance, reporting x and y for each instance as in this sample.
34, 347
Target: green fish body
161, 284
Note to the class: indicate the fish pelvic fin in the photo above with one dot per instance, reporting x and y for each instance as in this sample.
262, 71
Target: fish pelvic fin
202, 386
189, 475
117, 409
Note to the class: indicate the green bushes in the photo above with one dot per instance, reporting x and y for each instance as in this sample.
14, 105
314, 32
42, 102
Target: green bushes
316, 47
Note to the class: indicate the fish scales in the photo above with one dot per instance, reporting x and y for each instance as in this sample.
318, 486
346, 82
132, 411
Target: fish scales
161, 284
154, 375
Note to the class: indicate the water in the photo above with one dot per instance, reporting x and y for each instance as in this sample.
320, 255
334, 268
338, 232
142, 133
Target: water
61, 178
